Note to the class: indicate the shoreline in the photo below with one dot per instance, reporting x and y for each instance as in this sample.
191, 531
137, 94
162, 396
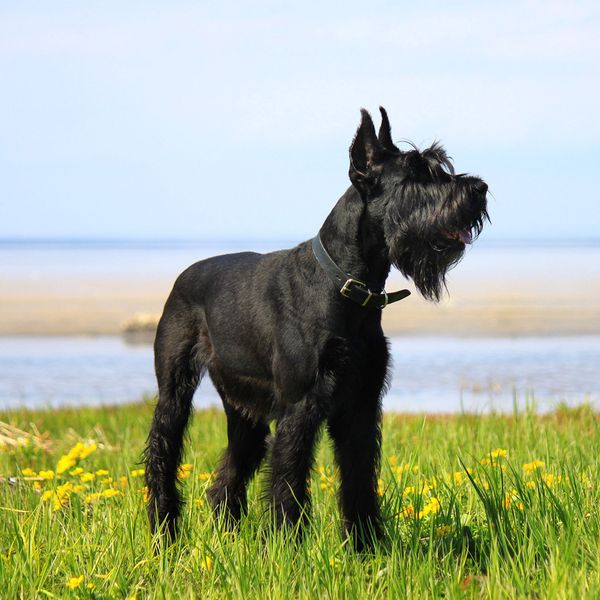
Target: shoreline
483, 307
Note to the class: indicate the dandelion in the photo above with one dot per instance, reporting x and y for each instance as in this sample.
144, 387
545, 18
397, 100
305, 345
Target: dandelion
408, 511
46, 474
87, 477
87, 450
91, 498
76, 471
184, 471
122, 482
499, 453
75, 582
533, 466
59, 497
550, 479
90, 586
101, 472
27, 472
137, 473
198, 502
206, 476
458, 477
111, 493
530, 484
431, 508
65, 463
145, 493
207, 563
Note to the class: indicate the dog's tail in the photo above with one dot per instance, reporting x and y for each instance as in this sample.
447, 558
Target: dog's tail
179, 368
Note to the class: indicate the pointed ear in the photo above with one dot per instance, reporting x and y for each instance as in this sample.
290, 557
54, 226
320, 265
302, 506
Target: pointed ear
366, 157
385, 132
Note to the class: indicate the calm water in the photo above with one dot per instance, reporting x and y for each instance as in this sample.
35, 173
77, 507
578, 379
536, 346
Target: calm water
556, 260
430, 374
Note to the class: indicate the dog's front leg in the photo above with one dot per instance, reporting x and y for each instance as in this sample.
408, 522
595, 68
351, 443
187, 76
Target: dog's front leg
291, 460
355, 428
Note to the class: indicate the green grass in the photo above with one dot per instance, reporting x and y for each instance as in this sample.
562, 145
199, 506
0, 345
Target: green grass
460, 521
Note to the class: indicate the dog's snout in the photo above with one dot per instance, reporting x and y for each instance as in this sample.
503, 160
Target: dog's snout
481, 187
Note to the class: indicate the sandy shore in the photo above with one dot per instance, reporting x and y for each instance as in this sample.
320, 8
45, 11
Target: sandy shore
481, 307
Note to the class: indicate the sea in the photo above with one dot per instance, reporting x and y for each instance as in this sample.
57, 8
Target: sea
432, 374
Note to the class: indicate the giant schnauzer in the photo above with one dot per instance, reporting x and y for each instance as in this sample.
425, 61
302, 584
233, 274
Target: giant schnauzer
295, 336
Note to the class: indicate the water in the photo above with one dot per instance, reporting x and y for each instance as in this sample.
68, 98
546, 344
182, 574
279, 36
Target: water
430, 374
41, 261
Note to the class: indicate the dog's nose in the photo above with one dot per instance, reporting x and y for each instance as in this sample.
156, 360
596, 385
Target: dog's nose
481, 187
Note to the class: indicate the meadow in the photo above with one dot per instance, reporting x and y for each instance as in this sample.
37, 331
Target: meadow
476, 506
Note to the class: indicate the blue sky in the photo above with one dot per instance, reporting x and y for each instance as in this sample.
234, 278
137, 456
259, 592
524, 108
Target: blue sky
233, 120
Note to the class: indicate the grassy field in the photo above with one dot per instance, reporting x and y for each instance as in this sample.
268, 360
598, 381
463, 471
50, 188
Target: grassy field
475, 507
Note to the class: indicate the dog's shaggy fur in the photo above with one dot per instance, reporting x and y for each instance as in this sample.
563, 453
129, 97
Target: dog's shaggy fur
281, 343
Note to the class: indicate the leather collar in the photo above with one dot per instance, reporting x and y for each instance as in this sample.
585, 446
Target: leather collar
350, 287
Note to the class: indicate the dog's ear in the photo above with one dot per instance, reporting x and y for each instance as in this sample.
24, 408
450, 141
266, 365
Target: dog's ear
366, 157
385, 132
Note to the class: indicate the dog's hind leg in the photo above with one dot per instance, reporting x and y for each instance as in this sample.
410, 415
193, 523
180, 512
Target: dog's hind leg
179, 367
292, 459
247, 446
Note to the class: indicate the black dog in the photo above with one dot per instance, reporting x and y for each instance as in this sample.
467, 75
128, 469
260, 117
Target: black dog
295, 335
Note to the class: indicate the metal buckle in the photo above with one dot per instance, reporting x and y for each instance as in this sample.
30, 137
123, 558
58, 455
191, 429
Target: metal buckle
385, 303
348, 285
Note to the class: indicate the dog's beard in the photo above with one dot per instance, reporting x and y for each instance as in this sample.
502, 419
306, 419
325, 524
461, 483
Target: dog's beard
426, 235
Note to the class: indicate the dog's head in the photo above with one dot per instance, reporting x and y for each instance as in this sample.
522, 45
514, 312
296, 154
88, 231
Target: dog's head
427, 212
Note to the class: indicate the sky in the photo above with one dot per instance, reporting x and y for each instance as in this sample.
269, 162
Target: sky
232, 120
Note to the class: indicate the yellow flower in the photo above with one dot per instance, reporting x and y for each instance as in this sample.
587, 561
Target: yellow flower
207, 563
87, 450
65, 462
122, 482
137, 473
184, 471
431, 508
101, 472
27, 472
106, 480
533, 466
90, 586
530, 484
198, 502
90, 498
205, 476
77, 471
85, 477
77, 488
59, 497
550, 479
75, 582
111, 492
46, 474
458, 477
499, 453
146, 493
409, 511
392, 460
